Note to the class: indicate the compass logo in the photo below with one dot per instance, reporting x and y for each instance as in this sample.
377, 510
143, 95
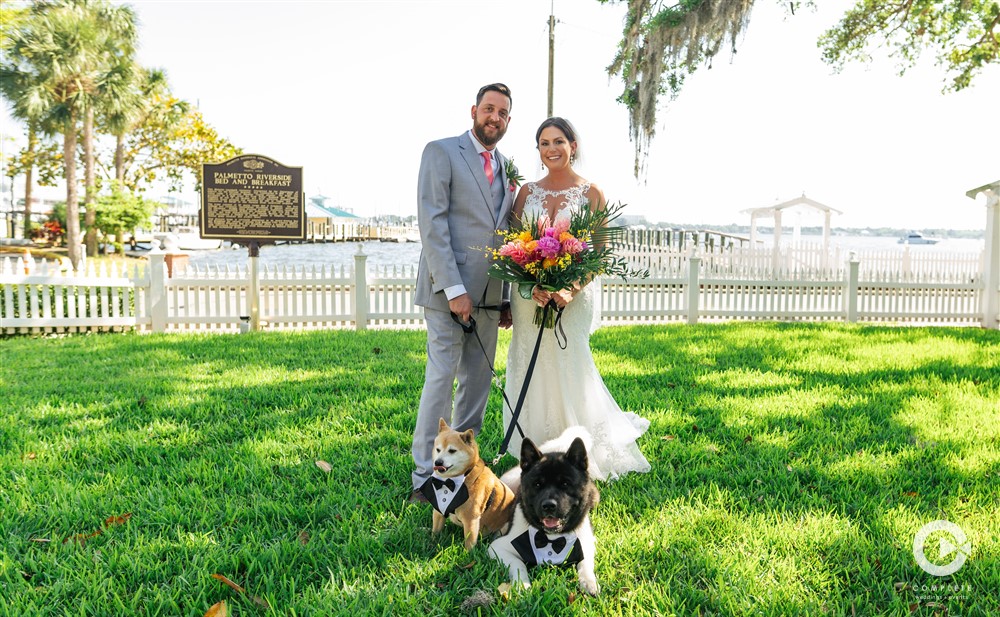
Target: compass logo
951, 541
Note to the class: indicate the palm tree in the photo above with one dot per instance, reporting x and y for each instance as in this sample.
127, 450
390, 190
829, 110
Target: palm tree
72, 47
114, 68
134, 93
22, 88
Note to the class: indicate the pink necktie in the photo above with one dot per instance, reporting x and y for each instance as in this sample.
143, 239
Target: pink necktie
488, 167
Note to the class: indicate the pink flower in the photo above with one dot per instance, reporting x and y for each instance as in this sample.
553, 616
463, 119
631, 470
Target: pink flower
561, 225
572, 246
516, 252
549, 247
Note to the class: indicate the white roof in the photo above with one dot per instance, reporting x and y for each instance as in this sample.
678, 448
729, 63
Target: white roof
798, 201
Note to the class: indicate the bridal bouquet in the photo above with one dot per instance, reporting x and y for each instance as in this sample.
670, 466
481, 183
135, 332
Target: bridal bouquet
557, 254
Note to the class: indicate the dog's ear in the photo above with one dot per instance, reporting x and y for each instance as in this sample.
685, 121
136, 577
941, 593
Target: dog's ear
577, 454
442, 425
468, 437
529, 454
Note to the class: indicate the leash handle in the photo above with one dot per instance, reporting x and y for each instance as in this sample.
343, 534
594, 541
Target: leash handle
468, 328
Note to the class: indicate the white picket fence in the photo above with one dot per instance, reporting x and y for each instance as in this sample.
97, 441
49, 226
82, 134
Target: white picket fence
218, 300
812, 260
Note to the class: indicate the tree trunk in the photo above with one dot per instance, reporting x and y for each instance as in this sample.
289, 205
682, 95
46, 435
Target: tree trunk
29, 180
120, 159
72, 207
89, 199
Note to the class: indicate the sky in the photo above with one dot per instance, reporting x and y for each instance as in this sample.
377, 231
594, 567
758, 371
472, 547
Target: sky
352, 90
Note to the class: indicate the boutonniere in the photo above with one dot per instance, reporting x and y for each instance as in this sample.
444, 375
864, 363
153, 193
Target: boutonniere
514, 178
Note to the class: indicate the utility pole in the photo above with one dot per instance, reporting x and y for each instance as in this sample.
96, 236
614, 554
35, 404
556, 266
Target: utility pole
552, 52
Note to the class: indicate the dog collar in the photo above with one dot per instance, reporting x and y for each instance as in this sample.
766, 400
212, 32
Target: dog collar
536, 547
445, 494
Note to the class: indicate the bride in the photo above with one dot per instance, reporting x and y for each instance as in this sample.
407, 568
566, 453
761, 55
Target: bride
565, 388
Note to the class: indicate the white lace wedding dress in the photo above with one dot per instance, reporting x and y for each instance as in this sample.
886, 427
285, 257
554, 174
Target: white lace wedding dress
565, 388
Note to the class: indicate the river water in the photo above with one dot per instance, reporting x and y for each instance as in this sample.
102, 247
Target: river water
330, 254
338, 254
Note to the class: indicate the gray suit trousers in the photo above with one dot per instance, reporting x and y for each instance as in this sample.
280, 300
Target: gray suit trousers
452, 354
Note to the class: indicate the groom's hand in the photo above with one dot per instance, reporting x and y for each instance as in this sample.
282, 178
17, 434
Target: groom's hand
506, 319
461, 306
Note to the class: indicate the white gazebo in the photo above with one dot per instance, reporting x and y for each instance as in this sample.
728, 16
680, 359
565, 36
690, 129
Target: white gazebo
794, 209
991, 253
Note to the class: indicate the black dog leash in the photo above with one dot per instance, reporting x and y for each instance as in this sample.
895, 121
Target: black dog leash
470, 328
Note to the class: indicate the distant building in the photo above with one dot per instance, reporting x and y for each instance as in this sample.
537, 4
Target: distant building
323, 220
637, 221
316, 208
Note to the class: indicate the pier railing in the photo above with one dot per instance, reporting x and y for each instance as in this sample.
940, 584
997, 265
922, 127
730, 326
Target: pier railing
691, 289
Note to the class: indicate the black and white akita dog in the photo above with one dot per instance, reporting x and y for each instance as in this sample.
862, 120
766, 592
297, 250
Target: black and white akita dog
551, 525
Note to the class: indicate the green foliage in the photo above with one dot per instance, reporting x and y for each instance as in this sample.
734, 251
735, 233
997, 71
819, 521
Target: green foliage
664, 41
45, 159
791, 466
964, 34
66, 60
55, 70
120, 211
171, 142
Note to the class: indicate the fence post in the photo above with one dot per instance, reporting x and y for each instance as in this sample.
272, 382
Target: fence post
157, 290
693, 289
360, 289
851, 292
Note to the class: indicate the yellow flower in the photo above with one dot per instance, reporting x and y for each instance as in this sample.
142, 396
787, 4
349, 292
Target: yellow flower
525, 236
549, 262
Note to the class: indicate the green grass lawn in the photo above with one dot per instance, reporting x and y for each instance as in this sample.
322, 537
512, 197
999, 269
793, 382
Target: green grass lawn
792, 467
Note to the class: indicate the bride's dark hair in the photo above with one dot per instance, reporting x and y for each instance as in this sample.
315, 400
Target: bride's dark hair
563, 125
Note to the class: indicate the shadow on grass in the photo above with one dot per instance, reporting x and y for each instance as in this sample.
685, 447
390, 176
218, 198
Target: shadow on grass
786, 440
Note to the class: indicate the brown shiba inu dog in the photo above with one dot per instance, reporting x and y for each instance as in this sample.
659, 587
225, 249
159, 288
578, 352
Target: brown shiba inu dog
464, 489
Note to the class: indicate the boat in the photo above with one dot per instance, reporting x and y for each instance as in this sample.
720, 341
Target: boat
915, 237
408, 234
186, 238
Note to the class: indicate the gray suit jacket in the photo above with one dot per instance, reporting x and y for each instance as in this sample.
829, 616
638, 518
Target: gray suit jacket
455, 212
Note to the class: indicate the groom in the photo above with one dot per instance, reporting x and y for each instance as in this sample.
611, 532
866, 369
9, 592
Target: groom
463, 197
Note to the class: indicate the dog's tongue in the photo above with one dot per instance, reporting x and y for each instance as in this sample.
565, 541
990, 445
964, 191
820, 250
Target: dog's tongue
440, 468
550, 522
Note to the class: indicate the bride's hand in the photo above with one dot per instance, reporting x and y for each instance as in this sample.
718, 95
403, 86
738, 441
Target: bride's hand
540, 296
563, 297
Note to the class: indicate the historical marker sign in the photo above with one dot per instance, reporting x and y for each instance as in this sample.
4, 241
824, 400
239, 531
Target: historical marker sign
252, 198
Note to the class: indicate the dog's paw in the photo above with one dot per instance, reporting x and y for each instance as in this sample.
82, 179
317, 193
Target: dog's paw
589, 586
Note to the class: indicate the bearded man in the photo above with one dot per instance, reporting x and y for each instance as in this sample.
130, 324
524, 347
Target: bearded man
463, 198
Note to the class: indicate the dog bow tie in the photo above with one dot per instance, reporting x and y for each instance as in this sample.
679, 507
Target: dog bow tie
542, 540
438, 483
